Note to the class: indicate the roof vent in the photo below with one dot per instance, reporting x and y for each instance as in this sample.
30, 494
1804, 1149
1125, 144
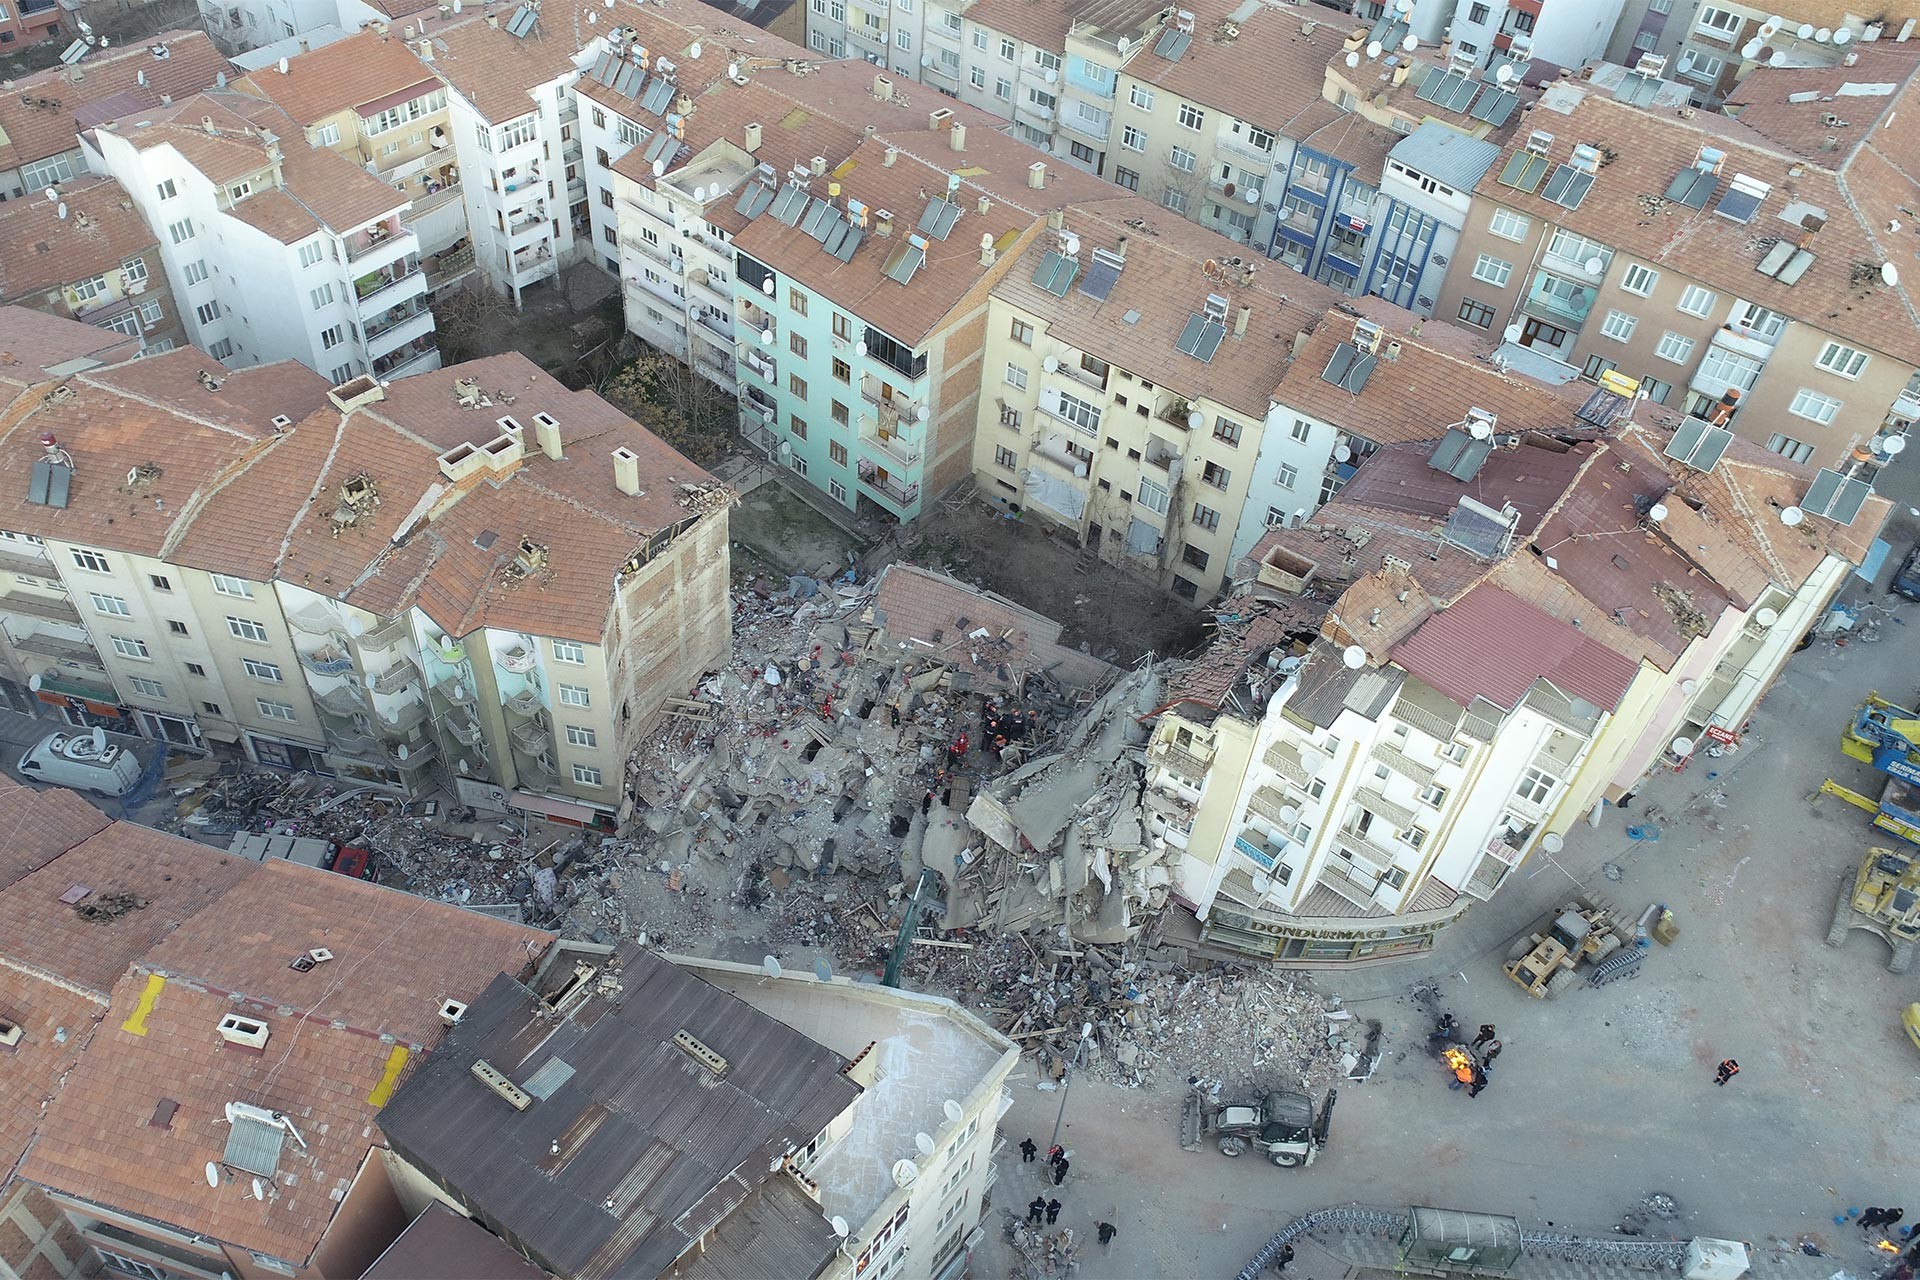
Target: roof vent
451, 1011
9, 1033
350, 395
484, 1072
684, 1041
250, 1033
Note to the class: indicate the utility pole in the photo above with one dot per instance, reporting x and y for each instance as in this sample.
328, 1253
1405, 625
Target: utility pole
1066, 1084
925, 890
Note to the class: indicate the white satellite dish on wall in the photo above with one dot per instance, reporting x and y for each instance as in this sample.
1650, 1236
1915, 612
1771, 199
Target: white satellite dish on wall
1553, 842
1289, 815
770, 966
1313, 761
839, 1225
1353, 59
1791, 516
1196, 420
923, 1142
1479, 429
1806, 31
1341, 453
1373, 49
1689, 686
1657, 512
259, 1189
1050, 364
1767, 617
1411, 43
1751, 49
1683, 747
953, 1111
1512, 333
1353, 657
1893, 445
905, 1172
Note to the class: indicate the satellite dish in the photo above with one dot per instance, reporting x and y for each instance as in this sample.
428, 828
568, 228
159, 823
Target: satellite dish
1341, 453
733, 71
1504, 74
1196, 420
1894, 445
213, 1175
905, 1172
1373, 49
839, 1225
1791, 516
1353, 657
699, 195
1689, 686
1512, 333
1596, 265
1841, 35
1767, 617
1657, 512
766, 286
1124, 45
923, 1143
593, 19
1553, 842
822, 971
922, 413
53, 193
1751, 49
1806, 30
1050, 364
1683, 746
694, 50
953, 1111
33, 683
61, 212
1411, 43
770, 966
766, 337
401, 750
1353, 59
1479, 430
259, 1189
456, 6
659, 167
1890, 274
1289, 815
1777, 60
1071, 243
283, 66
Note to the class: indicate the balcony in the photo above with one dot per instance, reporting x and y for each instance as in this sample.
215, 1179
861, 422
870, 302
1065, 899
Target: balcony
394, 317
1178, 760
716, 291
660, 257
349, 742
380, 244
60, 649
416, 356
764, 369
535, 772
328, 661
1571, 307
529, 224
892, 406
1753, 343
1254, 844
891, 491
1273, 806
527, 702
531, 736
464, 730
519, 658
343, 701
532, 264
717, 326
1240, 146
51, 608
384, 636
413, 753
400, 675
381, 290
1099, 127
716, 371
393, 723
757, 320
890, 451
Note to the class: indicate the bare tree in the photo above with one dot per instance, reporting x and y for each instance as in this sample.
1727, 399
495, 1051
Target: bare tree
675, 403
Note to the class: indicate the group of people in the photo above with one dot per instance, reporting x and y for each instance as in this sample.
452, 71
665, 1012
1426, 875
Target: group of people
1040, 1208
1882, 1221
1475, 1062
999, 728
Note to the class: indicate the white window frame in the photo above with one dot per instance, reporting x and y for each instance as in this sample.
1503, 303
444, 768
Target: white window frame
1492, 270
247, 629
1815, 407
1841, 360
573, 695
1722, 24
1619, 325
132, 647
112, 606
579, 735
1509, 225
1675, 348
1191, 117
91, 561
1140, 97
1639, 280
148, 688
586, 775
1181, 159
1695, 300
1016, 376
268, 671
224, 585
571, 652
275, 710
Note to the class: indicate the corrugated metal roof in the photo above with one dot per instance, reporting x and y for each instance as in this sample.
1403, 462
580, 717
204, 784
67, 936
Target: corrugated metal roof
1493, 644
654, 1147
1446, 155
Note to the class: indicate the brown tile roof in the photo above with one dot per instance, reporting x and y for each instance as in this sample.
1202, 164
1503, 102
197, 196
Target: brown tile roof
32, 343
1789, 105
1044, 25
1269, 75
342, 76
102, 229
497, 72
1243, 638
1163, 283
55, 1024
1377, 612
34, 132
1627, 209
1430, 385
248, 399
38, 826
1348, 137
1492, 644
1532, 476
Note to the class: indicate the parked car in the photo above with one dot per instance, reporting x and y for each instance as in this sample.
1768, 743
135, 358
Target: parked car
1906, 579
82, 761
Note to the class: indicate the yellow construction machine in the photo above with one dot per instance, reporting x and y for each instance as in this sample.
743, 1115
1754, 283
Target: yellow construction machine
1882, 897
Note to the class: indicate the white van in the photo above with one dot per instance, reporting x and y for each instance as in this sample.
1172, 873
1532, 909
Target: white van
82, 761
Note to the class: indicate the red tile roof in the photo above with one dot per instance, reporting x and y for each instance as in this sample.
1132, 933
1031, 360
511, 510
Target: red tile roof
1492, 644
33, 130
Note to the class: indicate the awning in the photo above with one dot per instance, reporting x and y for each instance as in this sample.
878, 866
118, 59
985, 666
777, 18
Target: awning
561, 810
368, 110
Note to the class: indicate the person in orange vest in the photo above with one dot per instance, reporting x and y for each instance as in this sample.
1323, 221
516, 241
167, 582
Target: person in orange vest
1726, 1071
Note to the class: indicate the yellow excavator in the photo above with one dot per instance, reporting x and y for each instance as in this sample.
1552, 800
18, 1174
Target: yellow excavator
1888, 738
1882, 897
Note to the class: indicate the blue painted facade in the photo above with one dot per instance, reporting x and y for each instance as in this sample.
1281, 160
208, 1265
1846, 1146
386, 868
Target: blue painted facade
1402, 249
1324, 219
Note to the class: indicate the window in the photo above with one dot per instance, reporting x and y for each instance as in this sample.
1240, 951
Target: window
1016, 376
571, 652
979, 39
86, 290
92, 561
1639, 280
239, 191
1478, 13
1227, 431
839, 413
1008, 49
340, 373
1081, 413
796, 344
1175, 199
274, 710
1005, 458
1154, 497
150, 313
1618, 325
159, 582
1413, 838
1843, 360
207, 312
1289, 475
1476, 313
1191, 117
1722, 23
1756, 321
320, 296
1657, 391
1677, 347
128, 647
836, 491
1128, 178
1003, 89
1454, 752
796, 426
246, 629
977, 77
195, 669
1788, 447
1301, 429
1206, 517
130, 1266
268, 671
799, 465
231, 586
1536, 786
1596, 366
196, 272
112, 606
1814, 407
516, 132
575, 695
842, 327
1723, 368
1508, 225
1182, 159
332, 336
1022, 333
1133, 138
581, 736
176, 628
1433, 796
797, 385
902, 39
167, 190
1494, 271
1695, 301
148, 688
1215, 475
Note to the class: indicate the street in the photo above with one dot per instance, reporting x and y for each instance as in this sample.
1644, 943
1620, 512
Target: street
1607, 1094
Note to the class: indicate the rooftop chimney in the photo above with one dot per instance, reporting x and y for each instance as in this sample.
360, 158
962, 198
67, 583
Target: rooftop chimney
626, 471
1037, 175
819, 165
753, 137
547, 431
426, 51
893, 153
957, 137
1240, 319
493, 20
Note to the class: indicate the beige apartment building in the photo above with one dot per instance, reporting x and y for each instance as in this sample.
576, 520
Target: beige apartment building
413, 586
1125, 388
371, 99
1706, 260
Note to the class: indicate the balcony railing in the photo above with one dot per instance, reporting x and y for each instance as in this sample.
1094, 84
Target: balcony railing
363, 243
329, 661
399, 720
396, 361
369, 285
393, 317
888, 488
396, 677
1573, 308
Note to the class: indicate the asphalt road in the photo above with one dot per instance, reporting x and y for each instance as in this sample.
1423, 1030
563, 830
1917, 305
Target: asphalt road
1606, 1095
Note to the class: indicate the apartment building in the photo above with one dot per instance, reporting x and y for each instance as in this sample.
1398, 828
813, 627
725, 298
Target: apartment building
1126, 385
1356, 762
1701, 259
279, 250
1565, 33
1712, 45
31, 22
40, 114
241, 26
153, 1045
88, 255
516, 140
368, 98
817, 1094
1426, 192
